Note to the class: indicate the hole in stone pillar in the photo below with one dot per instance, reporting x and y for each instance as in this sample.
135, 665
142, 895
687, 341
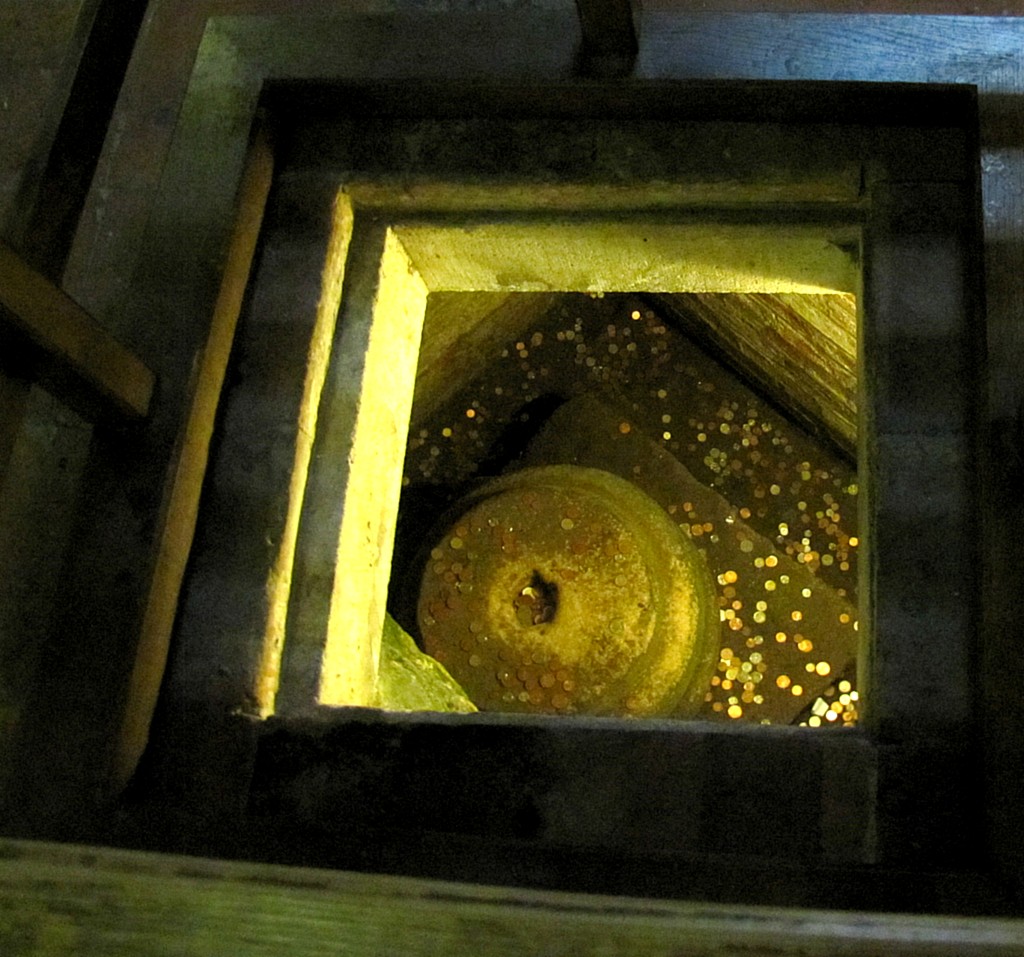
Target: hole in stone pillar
536, 603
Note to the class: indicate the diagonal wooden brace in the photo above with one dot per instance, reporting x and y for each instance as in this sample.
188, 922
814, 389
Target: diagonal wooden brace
66, 350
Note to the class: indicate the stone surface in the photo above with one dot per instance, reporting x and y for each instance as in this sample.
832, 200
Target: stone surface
566, 590
586, 432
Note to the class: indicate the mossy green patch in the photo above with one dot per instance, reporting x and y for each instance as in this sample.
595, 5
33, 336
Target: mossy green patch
409, 680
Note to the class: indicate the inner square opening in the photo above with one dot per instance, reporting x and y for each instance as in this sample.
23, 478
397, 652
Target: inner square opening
726, 420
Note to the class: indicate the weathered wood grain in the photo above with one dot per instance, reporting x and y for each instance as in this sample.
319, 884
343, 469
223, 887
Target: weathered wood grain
78, 354
66, 900
801, 351
175, 537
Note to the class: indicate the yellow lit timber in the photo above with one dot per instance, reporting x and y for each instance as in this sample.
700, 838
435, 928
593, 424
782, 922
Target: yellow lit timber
182, 507
82, 363
352, 647
601, 255
279, 581
56, 899
453, 253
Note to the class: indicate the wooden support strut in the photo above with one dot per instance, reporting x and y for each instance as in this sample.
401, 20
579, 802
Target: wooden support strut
66, 350
175, 540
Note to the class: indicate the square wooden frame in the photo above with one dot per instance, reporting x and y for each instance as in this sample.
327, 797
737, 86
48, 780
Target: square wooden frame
852, 798
239, 54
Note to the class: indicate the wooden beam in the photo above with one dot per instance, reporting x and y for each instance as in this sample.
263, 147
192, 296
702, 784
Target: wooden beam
62, 899
110, 28
609, 45
71, 354
182, 510
798, 351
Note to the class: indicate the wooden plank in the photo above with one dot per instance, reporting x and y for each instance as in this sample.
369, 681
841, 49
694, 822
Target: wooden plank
62, 899
80, 361
175, 540
105, 35
800, 351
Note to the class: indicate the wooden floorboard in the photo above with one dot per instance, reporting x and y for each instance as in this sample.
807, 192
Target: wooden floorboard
62, 899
